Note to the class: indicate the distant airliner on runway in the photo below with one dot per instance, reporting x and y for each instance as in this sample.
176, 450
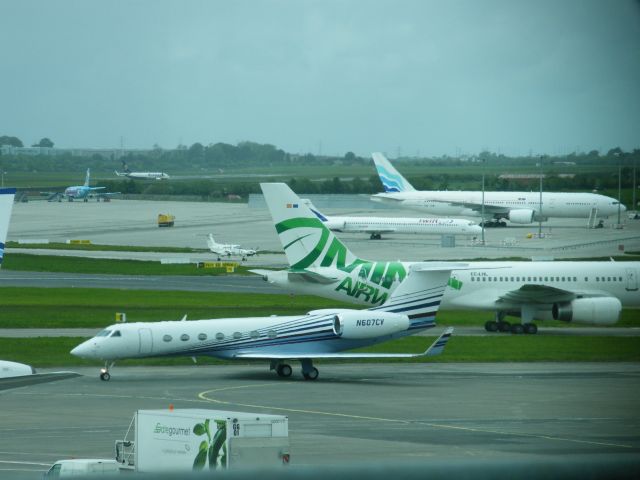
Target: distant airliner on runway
517, 207
376, 226
81, 192
140, 175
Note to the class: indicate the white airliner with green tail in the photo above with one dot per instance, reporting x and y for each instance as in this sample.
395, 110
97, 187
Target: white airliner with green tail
320, 264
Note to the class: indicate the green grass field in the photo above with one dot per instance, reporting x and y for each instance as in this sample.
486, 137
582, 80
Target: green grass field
54, 263
95, 308
54, 352
104, 248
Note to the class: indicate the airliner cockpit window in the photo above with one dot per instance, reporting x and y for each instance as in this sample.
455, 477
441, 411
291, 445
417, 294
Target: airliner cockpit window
104, 333
116, 334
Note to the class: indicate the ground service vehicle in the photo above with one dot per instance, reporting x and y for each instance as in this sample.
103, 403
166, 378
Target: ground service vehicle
83, 467
165, 220
182, 440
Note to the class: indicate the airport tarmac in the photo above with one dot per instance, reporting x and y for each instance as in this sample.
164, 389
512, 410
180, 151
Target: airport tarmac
133, 222
226, 283
387, 413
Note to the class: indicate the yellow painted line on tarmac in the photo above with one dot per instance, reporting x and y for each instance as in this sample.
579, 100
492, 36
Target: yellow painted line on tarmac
205, 396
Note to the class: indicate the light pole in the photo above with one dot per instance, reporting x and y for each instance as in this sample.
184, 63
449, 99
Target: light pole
634, 204
482, 210
540, 206
619, 225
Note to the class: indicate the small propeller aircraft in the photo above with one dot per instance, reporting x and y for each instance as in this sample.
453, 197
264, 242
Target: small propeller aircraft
228, 250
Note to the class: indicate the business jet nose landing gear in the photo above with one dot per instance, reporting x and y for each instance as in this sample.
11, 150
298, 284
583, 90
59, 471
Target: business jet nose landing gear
104, 372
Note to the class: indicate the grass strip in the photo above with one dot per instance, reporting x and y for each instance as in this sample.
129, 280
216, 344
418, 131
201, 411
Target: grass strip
54, 352
102, 248
91, 307
109, 266
96, 308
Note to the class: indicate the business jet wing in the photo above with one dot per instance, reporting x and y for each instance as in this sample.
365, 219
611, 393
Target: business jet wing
530, 293
436, 348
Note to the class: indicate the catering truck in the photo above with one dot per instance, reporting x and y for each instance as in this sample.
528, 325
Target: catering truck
179, 440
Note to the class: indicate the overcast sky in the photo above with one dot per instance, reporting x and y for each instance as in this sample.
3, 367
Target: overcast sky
428, 77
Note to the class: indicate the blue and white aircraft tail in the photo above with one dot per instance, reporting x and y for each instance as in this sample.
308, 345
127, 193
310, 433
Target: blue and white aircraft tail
391, 179
6, 205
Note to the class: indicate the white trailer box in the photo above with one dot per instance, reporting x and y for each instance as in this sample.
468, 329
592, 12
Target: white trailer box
196, 439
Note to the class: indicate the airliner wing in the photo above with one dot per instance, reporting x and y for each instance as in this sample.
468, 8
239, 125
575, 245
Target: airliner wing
529, 293
383, 197
436, 348
96, 188
477, 207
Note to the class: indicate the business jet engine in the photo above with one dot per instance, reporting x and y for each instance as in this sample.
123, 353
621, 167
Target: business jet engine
522, 215
596, 311
357, 325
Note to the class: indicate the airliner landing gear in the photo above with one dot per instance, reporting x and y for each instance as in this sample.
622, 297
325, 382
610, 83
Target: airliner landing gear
104, 372
499, 325
309, 372
376, 236
493, 224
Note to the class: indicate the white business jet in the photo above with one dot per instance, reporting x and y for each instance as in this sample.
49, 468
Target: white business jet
320, 334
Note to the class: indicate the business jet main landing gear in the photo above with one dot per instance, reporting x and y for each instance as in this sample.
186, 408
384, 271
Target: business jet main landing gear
309, 372
104, 372
283, 370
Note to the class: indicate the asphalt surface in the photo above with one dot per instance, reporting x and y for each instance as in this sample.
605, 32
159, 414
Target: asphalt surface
223, 283
133, 222
355, 414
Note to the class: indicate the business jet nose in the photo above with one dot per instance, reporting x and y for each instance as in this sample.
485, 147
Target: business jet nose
84, 350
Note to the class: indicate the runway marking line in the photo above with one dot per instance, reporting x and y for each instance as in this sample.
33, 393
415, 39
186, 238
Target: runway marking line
204, 396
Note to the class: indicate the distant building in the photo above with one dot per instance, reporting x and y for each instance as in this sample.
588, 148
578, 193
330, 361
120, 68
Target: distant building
76, 152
